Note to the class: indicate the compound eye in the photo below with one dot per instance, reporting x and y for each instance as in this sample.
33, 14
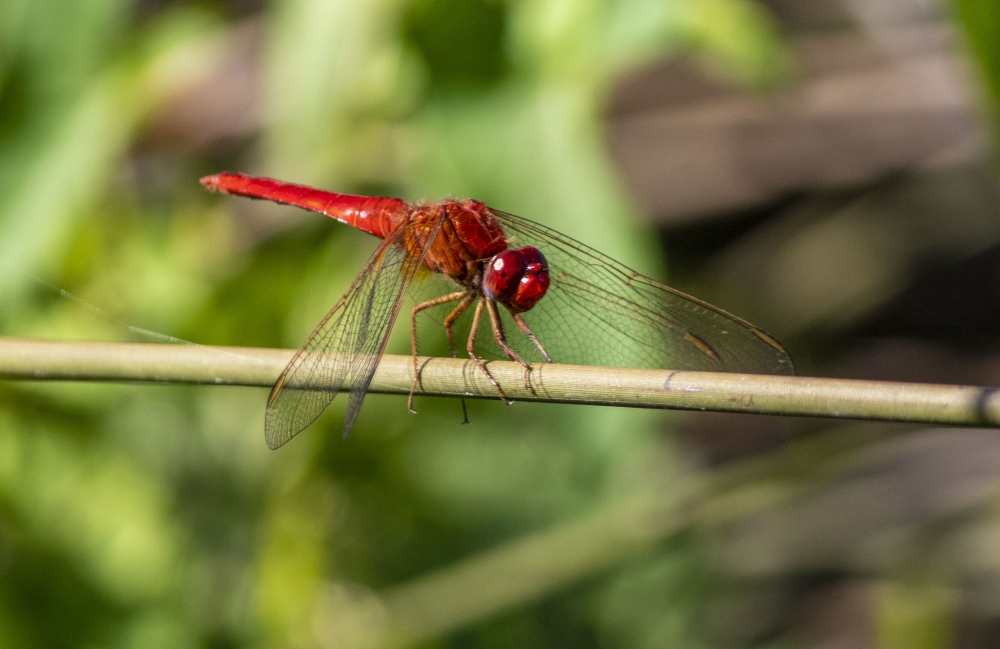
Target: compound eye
502, 275
530, 290
534, 260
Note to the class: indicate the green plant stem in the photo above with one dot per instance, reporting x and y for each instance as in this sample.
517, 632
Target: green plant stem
608, 386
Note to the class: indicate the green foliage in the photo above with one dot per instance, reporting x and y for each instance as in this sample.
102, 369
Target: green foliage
460, 42
981, 20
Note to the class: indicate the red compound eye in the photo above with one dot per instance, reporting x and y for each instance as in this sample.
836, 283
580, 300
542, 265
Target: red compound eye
534, 259
517, 278
503, 273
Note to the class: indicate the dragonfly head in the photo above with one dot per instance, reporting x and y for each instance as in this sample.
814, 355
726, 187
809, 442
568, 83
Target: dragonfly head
517, 278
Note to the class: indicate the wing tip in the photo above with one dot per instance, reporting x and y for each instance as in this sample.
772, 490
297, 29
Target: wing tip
276, 433
786, 366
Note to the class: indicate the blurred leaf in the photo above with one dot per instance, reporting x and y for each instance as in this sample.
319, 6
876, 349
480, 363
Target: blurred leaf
322, 54
655, 603
913, 615
97, 508
67, 172
250, 307
70, 166
293, 559
460, 41
739, 39
981, 20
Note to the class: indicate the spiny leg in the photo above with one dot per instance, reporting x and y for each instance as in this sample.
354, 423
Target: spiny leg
470, 347
444, 299
448, 322
501, 339
527, 332
453, 316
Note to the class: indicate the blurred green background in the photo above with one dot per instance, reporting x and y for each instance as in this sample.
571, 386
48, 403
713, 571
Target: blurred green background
152, 516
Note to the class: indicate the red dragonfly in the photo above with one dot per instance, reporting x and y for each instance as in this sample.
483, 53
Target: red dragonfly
560, 299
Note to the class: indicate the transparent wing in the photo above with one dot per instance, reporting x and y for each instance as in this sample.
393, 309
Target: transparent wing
348, 342
599, 312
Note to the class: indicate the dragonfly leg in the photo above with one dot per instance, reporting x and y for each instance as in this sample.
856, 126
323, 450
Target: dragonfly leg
448, 322
527, 332
444, 299
497, 323
453, 316
470, 347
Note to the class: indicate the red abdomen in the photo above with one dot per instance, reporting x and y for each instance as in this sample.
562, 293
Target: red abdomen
467, 234
378, 216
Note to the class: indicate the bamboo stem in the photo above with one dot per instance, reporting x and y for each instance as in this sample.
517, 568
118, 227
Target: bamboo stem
747, 393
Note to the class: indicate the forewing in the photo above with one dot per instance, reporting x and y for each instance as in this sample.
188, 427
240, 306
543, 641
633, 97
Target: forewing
347, 343
598, 311
383, 306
